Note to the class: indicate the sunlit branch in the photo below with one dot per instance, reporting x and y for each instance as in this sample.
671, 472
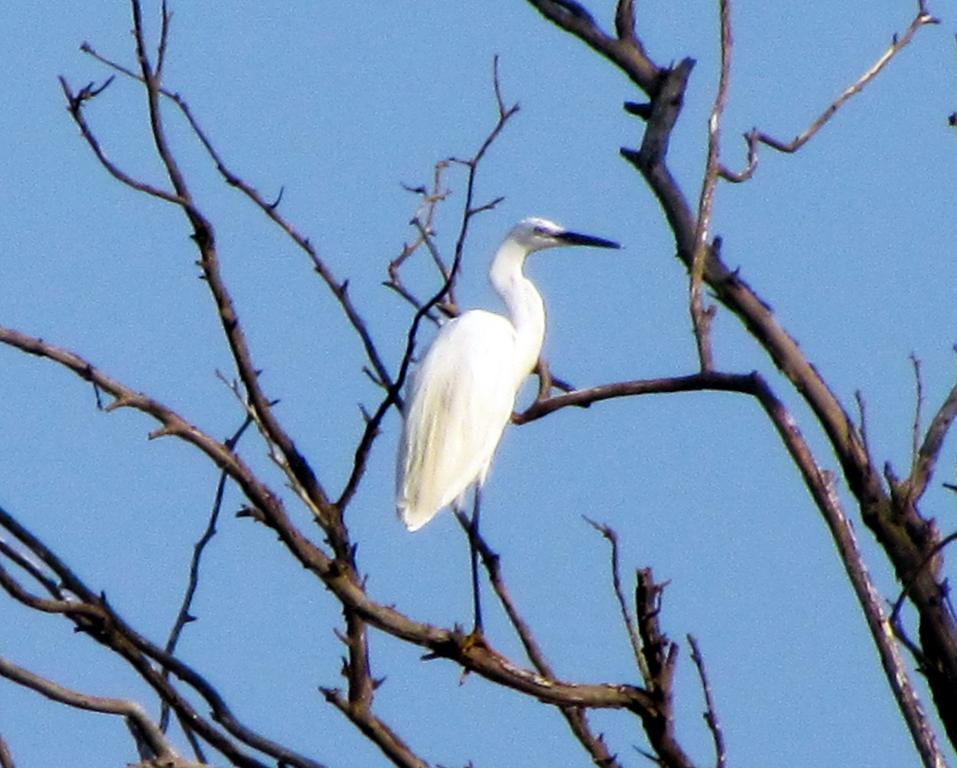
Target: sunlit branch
701, 317
145, 729
755, 137
576, 717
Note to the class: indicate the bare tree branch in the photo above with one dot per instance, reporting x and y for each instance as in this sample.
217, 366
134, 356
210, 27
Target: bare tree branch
661, 655
375, 730
626, 51
821, 486
92, 615
631, 626
145, 728
710, 713
926, 457
469, 211
576, 717
6, 757
754, 137
912, 541
184, 616
75, 103
700, 316
344, 582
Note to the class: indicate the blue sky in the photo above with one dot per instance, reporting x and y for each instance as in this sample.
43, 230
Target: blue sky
851, 242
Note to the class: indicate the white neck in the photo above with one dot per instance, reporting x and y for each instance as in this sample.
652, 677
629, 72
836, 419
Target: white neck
526, 311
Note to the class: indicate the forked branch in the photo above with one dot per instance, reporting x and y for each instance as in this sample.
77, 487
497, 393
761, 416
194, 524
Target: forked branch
754, 137
150, 738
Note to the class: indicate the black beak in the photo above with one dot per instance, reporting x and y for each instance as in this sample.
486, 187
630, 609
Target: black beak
575, 238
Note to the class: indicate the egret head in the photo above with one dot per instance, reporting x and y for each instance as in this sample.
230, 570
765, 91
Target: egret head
536, 234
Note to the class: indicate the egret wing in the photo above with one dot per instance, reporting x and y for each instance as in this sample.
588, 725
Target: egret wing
459, 402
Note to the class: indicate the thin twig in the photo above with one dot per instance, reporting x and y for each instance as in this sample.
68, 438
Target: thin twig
75, 103
631, 626
184, 616
710, 713
929, 451
394, 394
424, 223
918, 411
269, 207
755, 137
701, 317
576, 717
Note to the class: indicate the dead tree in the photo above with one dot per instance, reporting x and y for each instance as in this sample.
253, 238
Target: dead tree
34, 574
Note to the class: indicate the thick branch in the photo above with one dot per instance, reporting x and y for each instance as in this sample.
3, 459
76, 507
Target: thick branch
336, 574
821, 486
626, 52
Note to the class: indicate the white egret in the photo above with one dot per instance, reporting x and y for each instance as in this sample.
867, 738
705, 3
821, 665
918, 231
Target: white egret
462, 394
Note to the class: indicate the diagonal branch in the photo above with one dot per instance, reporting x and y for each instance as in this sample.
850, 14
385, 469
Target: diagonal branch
339, 289
171, 423
755, 137
184, 616
626, 52
576, 717
92, 615
144, 728
75, 103
700, 316
710, 713
631, 626
821, 485
6, 757
929, 451
375, 729
340, 579
296, 466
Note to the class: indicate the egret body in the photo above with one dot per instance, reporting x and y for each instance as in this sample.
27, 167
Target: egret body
462, 394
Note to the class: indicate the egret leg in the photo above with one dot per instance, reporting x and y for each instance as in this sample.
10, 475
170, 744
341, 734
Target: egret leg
473, 548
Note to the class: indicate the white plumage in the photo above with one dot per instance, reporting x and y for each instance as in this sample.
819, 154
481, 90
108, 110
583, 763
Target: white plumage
461, 396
